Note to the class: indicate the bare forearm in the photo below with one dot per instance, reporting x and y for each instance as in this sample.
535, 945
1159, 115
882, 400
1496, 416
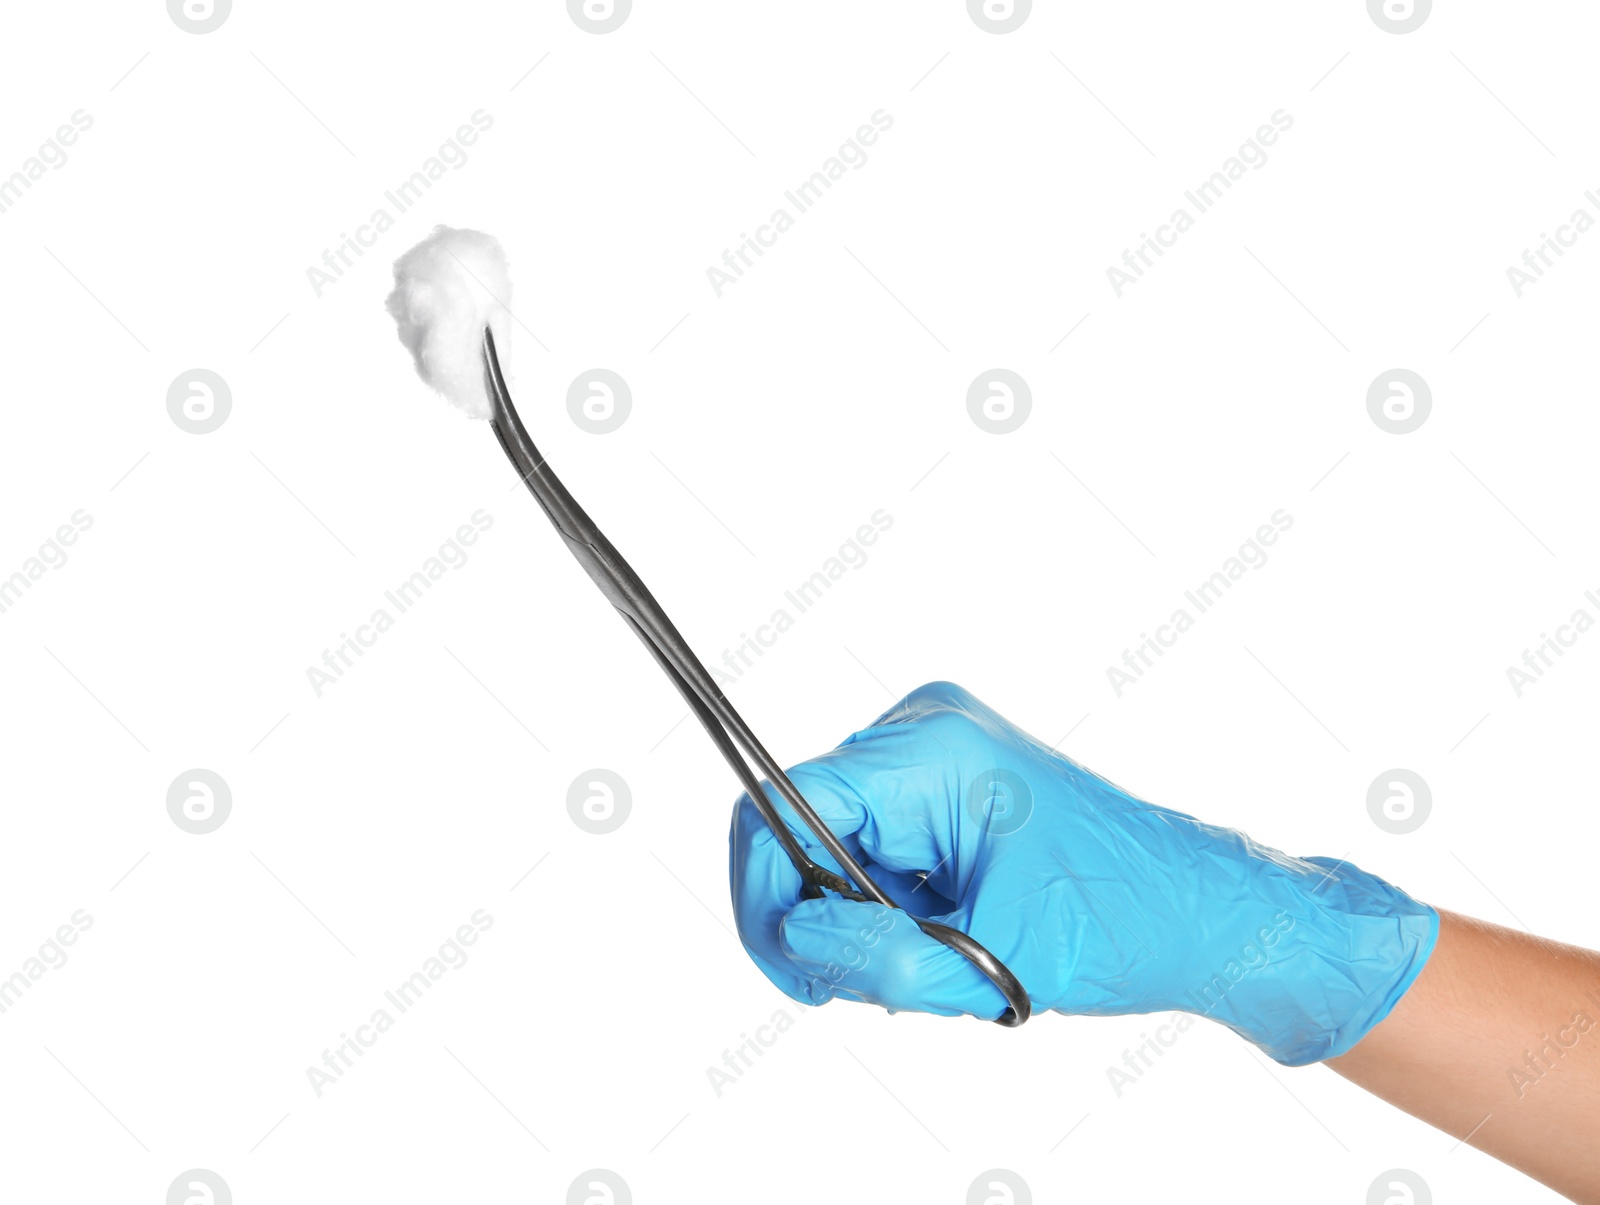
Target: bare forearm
1498, 1041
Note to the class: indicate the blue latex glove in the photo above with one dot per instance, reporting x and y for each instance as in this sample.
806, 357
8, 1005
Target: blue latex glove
1100, 903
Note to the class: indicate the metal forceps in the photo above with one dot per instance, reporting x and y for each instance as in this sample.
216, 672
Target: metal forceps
628, 594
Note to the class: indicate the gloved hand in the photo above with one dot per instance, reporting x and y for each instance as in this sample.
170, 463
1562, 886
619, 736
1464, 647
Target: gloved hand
1100, 903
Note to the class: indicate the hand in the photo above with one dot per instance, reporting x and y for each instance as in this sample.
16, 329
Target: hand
1100, 903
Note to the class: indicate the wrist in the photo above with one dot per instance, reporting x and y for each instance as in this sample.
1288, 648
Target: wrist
1340, 948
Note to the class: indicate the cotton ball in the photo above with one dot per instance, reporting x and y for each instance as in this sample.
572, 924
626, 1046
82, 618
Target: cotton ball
446, 290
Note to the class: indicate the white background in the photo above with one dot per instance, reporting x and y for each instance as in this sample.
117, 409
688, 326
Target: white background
767, 425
